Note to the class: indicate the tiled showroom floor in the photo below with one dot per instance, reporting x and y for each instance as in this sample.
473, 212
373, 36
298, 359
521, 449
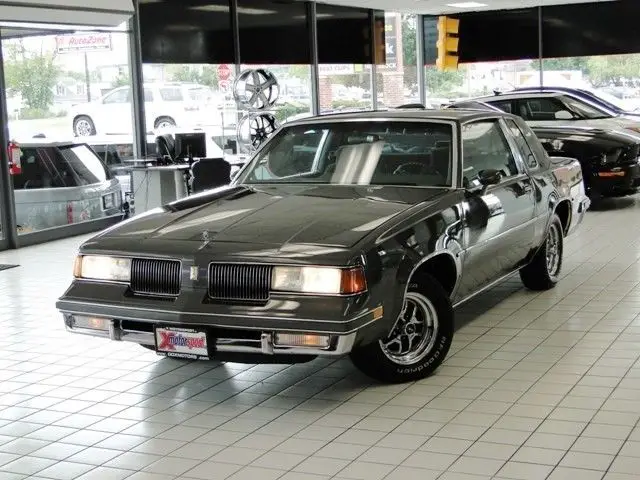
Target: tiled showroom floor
537, 386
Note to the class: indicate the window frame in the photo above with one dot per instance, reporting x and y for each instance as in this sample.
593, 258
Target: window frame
115, 92
523, 158
509, 142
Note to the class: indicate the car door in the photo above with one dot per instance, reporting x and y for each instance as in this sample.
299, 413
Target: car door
115, 113
498, 222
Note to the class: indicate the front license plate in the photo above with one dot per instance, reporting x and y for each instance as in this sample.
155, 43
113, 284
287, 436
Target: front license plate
182, 343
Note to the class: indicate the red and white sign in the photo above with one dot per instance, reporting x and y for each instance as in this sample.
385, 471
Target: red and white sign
224, 84
83, 42
182, 343
224, 71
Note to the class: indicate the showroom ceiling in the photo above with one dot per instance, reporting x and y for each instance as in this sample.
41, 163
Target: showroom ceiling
437, 7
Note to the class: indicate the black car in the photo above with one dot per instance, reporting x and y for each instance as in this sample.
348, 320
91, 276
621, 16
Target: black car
610, 159
345, 234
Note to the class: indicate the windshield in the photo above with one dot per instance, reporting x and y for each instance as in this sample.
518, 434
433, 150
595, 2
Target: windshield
356, 153
584, 110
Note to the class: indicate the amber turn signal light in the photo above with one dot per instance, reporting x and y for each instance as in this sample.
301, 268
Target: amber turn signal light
353, 281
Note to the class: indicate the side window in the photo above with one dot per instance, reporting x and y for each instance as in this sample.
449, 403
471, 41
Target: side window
119, 96
523, 147
504, 105
485, 148
543, 109
37, 170
148, 95
171, 94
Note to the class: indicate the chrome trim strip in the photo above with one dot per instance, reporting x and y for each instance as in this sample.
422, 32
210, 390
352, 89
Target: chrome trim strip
484, 289
271, 319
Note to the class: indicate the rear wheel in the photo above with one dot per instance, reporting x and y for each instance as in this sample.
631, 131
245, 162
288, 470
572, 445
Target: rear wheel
418, 342
544, 270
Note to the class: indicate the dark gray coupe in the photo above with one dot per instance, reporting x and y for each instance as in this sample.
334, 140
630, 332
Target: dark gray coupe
345, 234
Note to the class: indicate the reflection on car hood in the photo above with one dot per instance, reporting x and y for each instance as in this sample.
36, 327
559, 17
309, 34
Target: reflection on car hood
278, 215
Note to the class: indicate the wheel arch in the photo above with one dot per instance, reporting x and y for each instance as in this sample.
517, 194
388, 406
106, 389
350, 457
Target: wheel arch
565, 212
442, 266
160, 117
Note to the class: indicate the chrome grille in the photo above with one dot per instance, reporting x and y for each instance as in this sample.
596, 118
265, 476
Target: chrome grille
155, 277
240, 282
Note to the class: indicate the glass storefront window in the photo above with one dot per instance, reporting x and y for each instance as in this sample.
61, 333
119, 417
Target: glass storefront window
67, 93
345, 87
398, 78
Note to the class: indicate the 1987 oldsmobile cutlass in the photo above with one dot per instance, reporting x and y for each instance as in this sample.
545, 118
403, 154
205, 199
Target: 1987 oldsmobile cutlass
345, 234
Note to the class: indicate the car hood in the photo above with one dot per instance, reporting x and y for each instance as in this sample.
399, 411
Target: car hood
326, 215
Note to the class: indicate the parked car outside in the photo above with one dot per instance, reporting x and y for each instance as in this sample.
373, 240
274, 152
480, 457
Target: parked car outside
166, 105
345, 234
63, 183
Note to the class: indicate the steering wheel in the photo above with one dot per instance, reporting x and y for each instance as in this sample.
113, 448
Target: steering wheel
415, 168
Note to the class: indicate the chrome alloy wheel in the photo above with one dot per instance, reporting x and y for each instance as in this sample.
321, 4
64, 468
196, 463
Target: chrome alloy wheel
553, 250
83, 128
415, 332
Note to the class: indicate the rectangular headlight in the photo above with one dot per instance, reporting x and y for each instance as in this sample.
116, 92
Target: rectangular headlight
319, 280
98, 267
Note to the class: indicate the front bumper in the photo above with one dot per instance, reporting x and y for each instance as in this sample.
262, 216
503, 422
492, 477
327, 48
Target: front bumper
619, 181
231, 328
238, 342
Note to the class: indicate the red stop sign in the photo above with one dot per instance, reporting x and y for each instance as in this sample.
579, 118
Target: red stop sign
224, 72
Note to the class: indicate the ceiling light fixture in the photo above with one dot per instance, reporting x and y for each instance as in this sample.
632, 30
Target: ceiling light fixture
467, 5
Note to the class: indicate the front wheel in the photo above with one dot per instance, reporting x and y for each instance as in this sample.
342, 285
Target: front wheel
543, 271
418, 342
83, 126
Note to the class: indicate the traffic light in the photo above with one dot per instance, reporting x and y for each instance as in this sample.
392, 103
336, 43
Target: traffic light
447, 43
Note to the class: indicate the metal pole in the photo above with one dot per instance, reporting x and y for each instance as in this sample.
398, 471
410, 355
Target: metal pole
7, 202
374, 66
540, 45
137, 86
87, 76
420, 60
235, 30
312, 20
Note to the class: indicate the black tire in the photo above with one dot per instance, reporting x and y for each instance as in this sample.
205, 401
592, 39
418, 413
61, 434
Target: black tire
543, 271
167, 121
83, 126
431, 302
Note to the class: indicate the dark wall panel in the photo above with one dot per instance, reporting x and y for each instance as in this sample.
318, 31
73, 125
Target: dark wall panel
186, 31
605, 28
576, 30
344, 34
273, 32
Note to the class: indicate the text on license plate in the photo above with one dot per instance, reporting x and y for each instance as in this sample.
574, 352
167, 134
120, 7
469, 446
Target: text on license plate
181, 343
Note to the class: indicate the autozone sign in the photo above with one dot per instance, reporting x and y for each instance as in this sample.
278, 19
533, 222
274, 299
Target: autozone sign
84, 42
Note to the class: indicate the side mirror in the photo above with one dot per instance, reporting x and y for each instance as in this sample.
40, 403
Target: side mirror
489, 176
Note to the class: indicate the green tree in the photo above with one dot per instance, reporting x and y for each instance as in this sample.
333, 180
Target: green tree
121, 80
409, 39
562, 64
443, 83
32, 74
205, 75
611, 69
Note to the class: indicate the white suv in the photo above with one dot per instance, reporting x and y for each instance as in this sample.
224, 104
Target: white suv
165, 105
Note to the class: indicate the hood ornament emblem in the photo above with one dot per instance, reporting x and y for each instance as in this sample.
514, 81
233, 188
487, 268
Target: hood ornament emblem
206, 239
